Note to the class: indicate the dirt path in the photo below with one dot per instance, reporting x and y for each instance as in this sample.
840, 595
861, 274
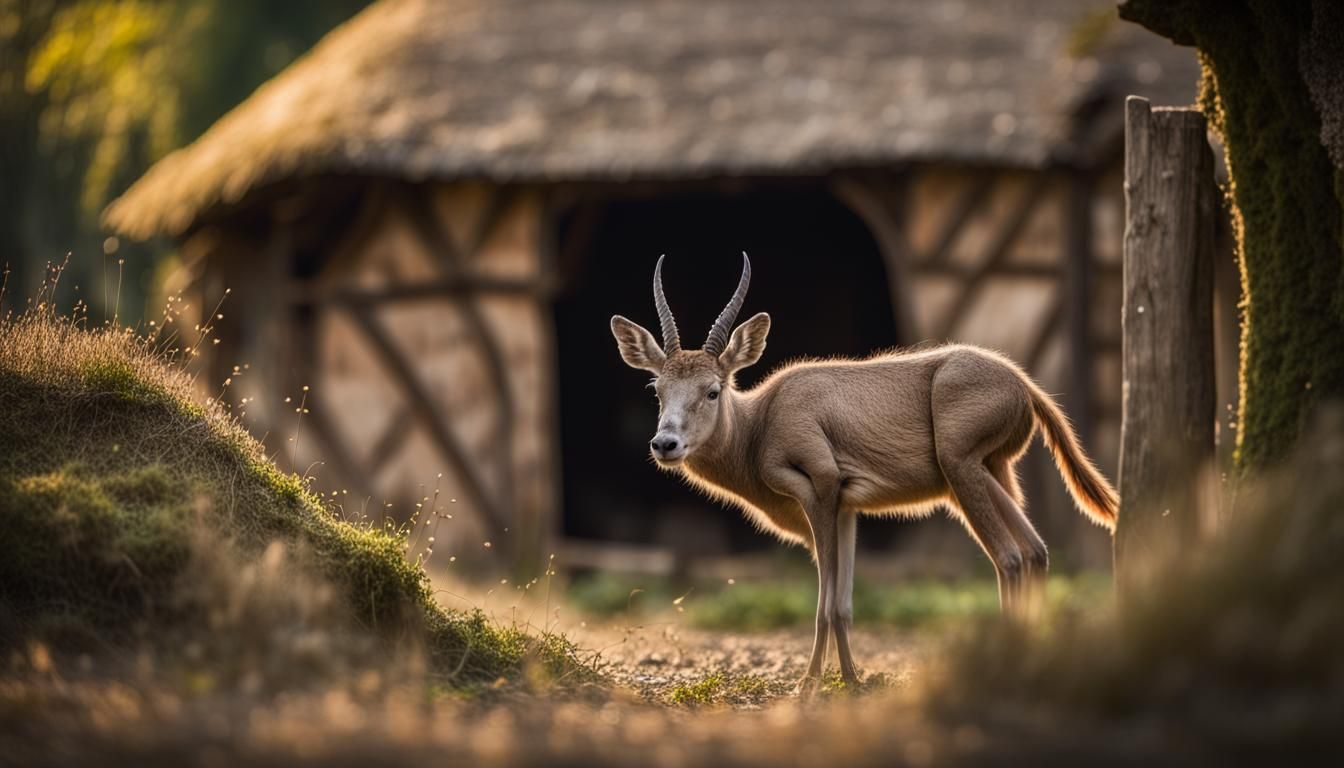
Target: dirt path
742, 669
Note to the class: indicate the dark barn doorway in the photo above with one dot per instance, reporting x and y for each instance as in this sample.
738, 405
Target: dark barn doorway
816, 269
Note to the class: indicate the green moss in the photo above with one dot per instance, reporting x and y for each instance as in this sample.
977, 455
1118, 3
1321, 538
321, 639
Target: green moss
752, 687
1289, 209
755, 606
700, 693
118, 377
108, 470
1088, 33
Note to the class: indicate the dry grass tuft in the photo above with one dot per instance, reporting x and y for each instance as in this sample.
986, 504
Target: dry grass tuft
132, 513
1239, 644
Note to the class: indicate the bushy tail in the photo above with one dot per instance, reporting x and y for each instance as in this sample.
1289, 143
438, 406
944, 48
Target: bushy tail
1090, 490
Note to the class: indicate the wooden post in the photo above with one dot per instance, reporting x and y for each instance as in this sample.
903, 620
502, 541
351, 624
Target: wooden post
1166, 452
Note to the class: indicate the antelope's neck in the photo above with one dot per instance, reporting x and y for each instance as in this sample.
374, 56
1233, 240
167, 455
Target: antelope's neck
723, 458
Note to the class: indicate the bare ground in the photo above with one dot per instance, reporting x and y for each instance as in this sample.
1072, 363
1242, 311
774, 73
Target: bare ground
655, 659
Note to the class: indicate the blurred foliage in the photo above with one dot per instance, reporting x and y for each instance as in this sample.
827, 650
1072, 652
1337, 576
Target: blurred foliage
791, 601
92, 92
112, 90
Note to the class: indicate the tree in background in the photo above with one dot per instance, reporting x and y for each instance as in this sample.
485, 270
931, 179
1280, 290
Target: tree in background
1273, 88
94, 91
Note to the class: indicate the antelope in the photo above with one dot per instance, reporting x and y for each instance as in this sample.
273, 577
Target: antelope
819, 442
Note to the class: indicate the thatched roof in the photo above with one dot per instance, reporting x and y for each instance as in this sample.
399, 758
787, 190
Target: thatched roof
613, 89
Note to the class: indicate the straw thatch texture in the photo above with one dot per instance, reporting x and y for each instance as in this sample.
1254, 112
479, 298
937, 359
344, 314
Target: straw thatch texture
614, 89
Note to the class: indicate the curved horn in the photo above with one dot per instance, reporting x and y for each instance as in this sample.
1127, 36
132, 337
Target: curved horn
718, 335
671, 341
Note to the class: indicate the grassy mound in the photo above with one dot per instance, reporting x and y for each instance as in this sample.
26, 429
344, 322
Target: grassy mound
116, 485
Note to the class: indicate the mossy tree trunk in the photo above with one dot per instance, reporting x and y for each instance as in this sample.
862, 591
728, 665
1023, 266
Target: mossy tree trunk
1288, 206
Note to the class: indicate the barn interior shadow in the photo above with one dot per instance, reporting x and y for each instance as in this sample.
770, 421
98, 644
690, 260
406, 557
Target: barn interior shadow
816, 270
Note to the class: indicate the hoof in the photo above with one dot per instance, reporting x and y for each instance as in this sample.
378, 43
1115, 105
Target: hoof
807, 687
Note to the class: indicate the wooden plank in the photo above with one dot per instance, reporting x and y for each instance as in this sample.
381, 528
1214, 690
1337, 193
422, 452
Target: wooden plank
991, 263
1167, 320
431, 417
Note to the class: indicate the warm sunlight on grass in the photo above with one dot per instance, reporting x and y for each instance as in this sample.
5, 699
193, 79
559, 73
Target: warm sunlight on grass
790, 601
117, 485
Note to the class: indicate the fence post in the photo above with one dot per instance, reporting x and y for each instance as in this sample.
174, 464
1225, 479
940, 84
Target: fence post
1166, 434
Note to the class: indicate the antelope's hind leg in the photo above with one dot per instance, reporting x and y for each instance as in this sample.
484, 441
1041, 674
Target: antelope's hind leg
1006, 496
971, 483
978, 411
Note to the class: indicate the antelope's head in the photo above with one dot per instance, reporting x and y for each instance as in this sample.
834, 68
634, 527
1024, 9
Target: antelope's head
691, 384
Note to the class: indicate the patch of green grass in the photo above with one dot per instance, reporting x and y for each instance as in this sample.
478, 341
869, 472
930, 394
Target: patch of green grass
700, 693
725, 688
108, 469
608, 594
833, 684
754, 606
791, 601
752, 686
910, 605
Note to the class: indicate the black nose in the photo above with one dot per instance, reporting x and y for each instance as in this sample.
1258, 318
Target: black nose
664, 446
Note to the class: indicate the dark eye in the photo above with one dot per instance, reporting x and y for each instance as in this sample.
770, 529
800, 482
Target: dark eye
713, 394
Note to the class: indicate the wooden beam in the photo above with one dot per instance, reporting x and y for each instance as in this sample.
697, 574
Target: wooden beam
547, 525
393, 437
1042, 340
968, 273
431, 232
880, 212
996, 253
312, 292
431, 417
351, 243
970, 200
353, 477
1169, 390
585, 218
495, 208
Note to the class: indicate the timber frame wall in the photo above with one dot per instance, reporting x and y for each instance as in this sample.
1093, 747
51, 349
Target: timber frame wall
362, 292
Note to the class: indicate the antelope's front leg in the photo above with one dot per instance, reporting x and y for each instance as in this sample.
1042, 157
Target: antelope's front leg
809, 476
823, 548
843, 602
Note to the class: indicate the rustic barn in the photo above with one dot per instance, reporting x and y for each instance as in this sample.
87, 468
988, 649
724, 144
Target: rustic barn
429, 218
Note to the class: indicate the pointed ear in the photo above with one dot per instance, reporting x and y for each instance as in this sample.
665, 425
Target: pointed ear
747, 343
638, 347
